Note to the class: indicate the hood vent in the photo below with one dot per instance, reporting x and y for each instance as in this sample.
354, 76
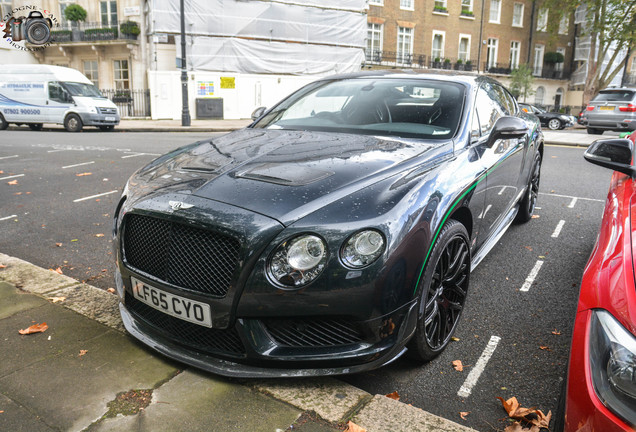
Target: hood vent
284, 174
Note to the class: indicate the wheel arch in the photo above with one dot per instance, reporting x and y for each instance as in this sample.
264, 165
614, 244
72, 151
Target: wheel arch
464, 216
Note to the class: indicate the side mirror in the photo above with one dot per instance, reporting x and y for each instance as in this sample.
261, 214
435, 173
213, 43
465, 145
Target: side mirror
258, 113
615, 154
508, 128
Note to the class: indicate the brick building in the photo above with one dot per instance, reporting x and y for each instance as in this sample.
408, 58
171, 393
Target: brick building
487, 36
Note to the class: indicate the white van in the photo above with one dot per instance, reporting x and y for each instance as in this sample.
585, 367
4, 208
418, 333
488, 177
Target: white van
37, 94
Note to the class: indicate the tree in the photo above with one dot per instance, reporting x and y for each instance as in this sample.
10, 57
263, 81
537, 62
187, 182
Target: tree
521, 82
611, 27
75, 13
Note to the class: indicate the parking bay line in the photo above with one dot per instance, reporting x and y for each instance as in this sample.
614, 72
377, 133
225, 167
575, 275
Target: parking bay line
8, 217
472, 378
532, 276
558, 229
79, 164
12, 176
570, 197
95, 196
8, 157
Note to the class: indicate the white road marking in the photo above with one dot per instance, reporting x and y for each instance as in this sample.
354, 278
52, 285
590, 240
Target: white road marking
8, 157
573, 202
483, 214
503, 189
571, 197
12, 176
532, 276
8, 217
79, 164
558, 229
55, 151
95, 196
467, 388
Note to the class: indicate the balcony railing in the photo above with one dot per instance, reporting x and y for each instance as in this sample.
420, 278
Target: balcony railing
397, 59
550, 71
131, 103
92, 31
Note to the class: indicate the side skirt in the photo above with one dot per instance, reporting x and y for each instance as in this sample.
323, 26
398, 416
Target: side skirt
492, 241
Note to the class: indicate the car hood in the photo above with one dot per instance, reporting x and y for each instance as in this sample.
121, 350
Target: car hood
284, 174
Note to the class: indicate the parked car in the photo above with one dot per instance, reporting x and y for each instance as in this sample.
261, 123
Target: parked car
334, 232
551, 120
601, 385
612, 109
582, 118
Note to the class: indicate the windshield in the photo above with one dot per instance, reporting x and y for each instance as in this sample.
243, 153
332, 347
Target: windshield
81, 89
377, 106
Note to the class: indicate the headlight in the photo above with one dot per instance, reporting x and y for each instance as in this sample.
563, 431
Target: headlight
298, 261
613, 365
362, 248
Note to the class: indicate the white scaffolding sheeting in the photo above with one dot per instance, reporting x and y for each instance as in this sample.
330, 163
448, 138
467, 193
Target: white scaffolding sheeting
254, 36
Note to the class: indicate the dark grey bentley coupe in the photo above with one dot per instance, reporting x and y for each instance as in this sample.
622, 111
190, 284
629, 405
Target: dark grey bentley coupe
333, 234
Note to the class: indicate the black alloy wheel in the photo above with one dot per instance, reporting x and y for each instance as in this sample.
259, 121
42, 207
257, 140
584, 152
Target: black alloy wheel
529, 200
442, 292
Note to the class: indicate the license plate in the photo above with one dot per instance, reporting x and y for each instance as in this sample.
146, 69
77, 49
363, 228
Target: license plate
606, 108
179, 307
110, 119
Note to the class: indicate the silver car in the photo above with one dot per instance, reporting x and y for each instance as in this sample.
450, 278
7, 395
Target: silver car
612, 109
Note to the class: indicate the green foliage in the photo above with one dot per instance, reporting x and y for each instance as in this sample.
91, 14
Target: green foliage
440, 9
75, 13
129, 27
447, 61
521, 82
553, 57
459, 61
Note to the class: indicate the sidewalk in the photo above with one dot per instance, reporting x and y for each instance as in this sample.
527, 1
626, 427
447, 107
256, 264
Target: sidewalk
85, 374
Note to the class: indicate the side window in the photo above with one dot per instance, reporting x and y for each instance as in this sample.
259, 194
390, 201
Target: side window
488, 109
57, 92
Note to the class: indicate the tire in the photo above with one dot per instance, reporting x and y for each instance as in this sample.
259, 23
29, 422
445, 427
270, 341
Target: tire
594, 131
529, 200
106, 128
3, 123
73, 123
442, 293
35, 126
555, 124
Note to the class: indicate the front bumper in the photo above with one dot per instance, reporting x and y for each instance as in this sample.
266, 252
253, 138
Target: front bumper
90, 119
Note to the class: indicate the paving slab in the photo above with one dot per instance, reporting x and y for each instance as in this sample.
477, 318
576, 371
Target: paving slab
16, 418
13, 301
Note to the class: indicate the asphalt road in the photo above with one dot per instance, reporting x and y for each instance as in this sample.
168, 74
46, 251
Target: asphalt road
58, 192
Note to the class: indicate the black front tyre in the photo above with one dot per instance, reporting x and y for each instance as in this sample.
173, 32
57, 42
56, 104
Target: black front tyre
73, 123
529, 200
3, 123
442, 293
35, 126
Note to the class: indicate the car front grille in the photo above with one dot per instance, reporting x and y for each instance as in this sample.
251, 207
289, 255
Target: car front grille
187, 257
210, 340
107, 110
313, 333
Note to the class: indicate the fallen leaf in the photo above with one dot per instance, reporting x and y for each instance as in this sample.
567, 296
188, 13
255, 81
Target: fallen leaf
542, 420
82, 352
111, 290
457, 364
58, 244
529, 248
2, 266
515, 410
455, 339
18, 193
394, 396
13, 182
99, 235
535, 216
464, 414
556, 332
58, 270
35, 328
74, 240
352, 427
545, 348
83, 174
57, 299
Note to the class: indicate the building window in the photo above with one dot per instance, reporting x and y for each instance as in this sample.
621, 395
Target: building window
564, 24
495, 11
440, 6
108, 11
515, 49
64, 23
467, 7
463, 53
539, 96
91, 71
542, 20
404, 45
121, 74
406, 4
376, 2
5, 9
559, 66
491, 53
538, 60
517, 15
374, 42
437, 52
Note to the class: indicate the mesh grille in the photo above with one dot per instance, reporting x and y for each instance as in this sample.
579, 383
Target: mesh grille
313, 333
185, 333
187, 257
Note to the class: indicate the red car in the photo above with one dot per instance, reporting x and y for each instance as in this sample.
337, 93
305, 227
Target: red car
601, 385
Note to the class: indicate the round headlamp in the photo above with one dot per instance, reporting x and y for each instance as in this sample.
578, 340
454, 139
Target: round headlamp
363, 248
298, 261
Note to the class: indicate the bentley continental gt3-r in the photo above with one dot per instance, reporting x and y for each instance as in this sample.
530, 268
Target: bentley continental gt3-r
334, 233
